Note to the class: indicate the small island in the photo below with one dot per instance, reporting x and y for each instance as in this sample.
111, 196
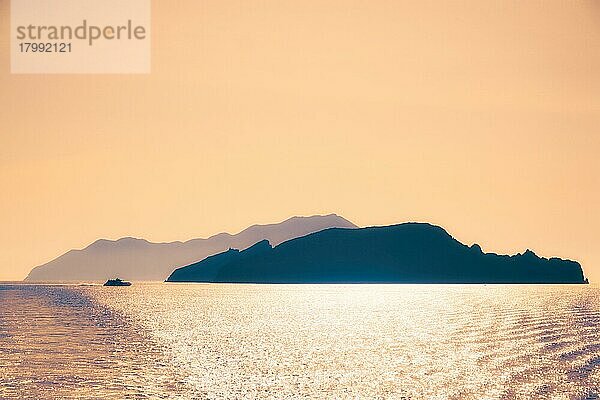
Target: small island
403, 253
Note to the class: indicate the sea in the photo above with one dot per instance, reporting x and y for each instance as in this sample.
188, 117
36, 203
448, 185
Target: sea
239, 341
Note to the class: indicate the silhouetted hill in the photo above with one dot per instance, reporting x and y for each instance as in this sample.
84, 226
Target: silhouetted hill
139, 259
405, 253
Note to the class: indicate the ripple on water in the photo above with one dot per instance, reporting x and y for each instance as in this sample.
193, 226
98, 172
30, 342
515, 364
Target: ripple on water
303, 341
57, 343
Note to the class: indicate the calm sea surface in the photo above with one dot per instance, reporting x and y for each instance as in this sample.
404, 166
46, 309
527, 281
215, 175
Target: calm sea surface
219, 341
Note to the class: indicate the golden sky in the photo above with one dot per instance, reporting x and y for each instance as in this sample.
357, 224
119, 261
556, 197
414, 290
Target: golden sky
480, 116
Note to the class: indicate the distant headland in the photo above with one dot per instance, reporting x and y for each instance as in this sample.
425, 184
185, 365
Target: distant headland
141, 260
404, 253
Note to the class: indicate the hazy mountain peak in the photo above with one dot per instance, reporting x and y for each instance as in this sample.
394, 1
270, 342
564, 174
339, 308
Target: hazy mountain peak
138, 259
121, 242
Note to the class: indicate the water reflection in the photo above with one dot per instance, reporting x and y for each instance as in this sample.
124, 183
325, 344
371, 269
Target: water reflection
56, 343
302, 341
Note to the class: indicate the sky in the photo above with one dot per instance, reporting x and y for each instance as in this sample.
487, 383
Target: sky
479, 116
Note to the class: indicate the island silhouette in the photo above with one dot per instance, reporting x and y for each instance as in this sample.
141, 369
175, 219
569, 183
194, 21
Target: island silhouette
403, 253
141, 260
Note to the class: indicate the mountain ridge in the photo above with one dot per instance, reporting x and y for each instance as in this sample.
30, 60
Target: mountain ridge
401, 253
139, 259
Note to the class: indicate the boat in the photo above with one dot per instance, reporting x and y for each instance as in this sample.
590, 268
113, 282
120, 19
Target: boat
116, 282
